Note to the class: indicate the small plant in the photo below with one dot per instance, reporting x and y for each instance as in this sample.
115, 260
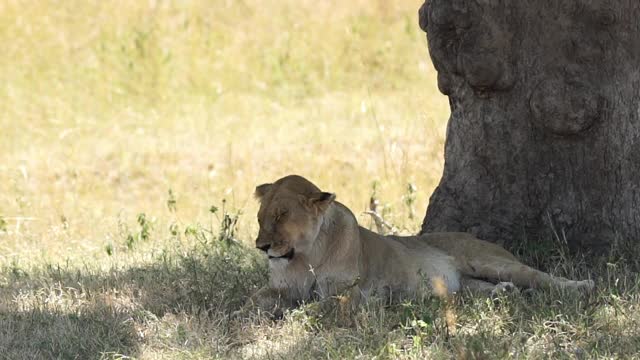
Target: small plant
172, 202
191, 230
65, 222
143, 234
410, 199
131, 240
109, 249
3, 224
172, 205
382, 226
424, 311
418, 330
228, 223
225, 232
145, 227
174, 229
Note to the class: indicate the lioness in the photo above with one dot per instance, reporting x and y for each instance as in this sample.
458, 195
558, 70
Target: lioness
316, 250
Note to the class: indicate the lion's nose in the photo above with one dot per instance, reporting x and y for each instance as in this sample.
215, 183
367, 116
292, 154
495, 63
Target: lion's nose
264, 247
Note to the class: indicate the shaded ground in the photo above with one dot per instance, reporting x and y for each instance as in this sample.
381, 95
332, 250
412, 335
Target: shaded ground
178, 306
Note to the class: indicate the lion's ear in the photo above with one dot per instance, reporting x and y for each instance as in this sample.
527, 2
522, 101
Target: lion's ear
262, 190
321, 200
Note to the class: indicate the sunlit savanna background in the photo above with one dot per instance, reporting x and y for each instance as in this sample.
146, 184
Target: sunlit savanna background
132, 135
105, 106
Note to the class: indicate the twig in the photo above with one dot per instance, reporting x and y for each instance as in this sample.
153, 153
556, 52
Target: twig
380, 223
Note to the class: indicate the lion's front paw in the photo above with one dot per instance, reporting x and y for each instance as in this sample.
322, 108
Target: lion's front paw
504, 288
585, 285
266, 301
272, 307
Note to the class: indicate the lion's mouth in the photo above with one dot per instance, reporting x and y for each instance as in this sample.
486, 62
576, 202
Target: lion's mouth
287, 256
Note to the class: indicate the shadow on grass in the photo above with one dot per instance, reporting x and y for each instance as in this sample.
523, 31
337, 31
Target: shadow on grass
45, 334
181, 302
70, 313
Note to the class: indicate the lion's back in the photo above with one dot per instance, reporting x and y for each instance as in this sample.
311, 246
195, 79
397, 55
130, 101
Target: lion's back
415, 261
465, 245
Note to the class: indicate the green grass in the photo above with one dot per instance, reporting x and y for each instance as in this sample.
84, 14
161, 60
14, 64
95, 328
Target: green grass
122, 125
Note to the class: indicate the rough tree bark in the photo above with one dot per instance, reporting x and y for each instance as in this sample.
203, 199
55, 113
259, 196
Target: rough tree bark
544, 128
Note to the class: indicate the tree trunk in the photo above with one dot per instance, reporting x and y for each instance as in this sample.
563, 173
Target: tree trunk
544, 134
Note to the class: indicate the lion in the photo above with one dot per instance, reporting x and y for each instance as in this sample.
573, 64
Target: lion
317, 250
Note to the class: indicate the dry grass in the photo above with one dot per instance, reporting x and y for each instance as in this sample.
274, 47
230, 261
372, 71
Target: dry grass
108, 105
113, 109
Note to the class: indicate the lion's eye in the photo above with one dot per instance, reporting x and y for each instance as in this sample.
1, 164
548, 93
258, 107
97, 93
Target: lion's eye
280, 215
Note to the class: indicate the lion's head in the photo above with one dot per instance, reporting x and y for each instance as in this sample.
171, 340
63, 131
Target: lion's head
290, 216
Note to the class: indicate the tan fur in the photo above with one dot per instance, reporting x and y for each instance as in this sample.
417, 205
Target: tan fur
332, 254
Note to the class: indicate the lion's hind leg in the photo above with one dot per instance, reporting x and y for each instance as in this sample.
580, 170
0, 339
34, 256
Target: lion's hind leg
507, 270
485, 288
476, 286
